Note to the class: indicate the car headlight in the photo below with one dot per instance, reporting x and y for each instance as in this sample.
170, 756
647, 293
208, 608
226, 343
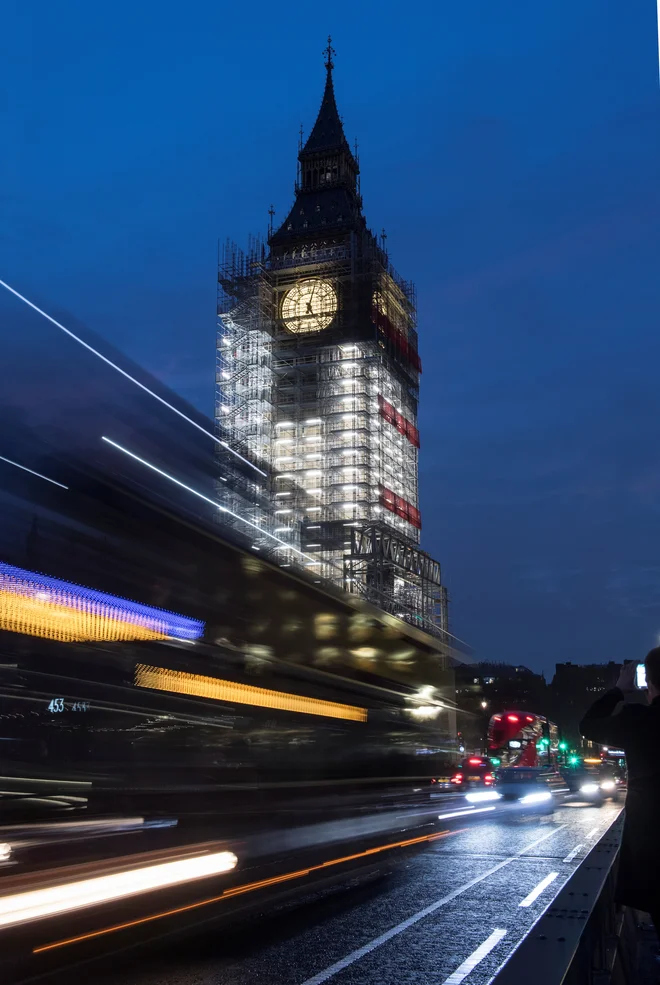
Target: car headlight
536, 798
481, 795
608, 785
589, 788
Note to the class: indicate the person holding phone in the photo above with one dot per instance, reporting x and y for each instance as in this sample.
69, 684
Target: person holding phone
635, 728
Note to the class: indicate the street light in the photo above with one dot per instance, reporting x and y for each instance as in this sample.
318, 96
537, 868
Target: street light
484, 704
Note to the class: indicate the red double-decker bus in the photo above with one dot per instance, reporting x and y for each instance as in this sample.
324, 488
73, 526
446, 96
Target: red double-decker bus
521, 738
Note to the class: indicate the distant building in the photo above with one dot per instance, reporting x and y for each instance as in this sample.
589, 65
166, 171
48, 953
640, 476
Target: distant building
483, 689
573, 689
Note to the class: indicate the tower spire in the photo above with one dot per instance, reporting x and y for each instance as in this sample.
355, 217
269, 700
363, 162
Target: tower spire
327, 134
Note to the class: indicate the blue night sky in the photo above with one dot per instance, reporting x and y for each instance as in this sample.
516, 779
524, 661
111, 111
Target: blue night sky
511, 151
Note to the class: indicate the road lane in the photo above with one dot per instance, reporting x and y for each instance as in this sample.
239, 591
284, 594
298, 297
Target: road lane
427, 920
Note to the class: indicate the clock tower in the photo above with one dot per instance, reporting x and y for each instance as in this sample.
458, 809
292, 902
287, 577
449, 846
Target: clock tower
318, 377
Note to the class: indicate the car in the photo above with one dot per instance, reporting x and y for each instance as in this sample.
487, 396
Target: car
475, 772
591, 784
525, 790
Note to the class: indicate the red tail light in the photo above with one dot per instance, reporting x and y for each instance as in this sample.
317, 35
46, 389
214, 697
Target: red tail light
529, 718
475, 761
457, 778
512, 718
488, 778
432, 781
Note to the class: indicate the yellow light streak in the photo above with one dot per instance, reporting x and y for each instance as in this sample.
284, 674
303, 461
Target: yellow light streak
179, 682
77, 621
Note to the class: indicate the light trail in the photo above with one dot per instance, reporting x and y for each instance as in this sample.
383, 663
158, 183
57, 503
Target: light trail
24, 468
223, 509
245, 888
128, 376
21, 908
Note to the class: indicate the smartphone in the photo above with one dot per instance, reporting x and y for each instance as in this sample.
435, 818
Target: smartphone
640, 676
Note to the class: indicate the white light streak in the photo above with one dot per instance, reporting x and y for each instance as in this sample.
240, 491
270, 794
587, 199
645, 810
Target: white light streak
481, 795
22, 908
127, 376
465, 813
200, 495
314, 420
24, 468
536, 798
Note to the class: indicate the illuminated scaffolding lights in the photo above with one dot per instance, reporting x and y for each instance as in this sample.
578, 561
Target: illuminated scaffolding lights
400, 507
38, 605
397, 420
179, 682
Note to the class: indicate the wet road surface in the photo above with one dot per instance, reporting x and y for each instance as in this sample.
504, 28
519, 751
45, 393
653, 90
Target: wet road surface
452, 913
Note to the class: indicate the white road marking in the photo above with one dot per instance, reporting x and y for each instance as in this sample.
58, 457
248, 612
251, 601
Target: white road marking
591, 833
536, 892
356, 955
571, 855
484, 949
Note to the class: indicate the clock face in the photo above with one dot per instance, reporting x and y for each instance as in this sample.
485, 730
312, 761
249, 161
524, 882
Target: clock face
309, 306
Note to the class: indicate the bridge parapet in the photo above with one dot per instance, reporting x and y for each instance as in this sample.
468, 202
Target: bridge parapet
584, 938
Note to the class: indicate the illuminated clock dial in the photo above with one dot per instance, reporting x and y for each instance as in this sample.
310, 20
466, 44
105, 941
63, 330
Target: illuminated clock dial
309, 306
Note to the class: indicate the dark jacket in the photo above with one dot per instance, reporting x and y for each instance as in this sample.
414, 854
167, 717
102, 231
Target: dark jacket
636, 730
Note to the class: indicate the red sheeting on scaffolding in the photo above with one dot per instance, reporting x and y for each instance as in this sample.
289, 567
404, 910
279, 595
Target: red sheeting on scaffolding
397, 420
400, 506
406, 350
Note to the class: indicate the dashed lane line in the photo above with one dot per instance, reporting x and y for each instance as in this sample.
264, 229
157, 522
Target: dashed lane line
536, 892
475, 958
361, 952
